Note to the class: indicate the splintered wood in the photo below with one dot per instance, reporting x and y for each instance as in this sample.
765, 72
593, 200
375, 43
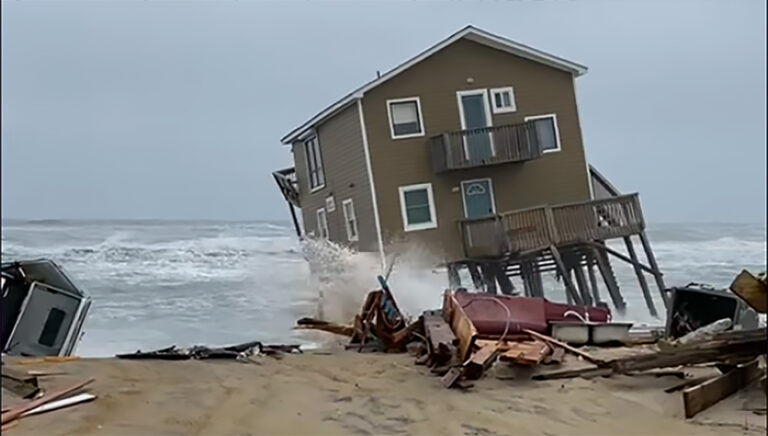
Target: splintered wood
527, 353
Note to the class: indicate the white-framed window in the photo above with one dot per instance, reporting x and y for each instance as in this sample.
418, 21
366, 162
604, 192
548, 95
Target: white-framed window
350, 219
546, 131
322, 224
405, 119
314, 164
417, 205
503, 100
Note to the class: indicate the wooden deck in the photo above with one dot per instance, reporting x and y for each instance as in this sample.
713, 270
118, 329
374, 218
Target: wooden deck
538, 228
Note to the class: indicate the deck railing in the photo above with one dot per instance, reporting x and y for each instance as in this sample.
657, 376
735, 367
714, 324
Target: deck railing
539, 227
484, 146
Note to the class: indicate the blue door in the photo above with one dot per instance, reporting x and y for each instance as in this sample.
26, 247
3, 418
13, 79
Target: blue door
478, 198
475, 115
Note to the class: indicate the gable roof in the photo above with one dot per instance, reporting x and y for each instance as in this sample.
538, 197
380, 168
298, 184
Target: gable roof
470, 32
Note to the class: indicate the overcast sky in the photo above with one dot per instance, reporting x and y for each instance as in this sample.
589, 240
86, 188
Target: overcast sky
175, 110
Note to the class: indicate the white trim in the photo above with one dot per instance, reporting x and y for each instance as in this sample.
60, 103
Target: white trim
369, 170
347, 219
392, 101
309, 170
470, 32
322, 212
432, 224
490, 187
503, 110
554, 123
583, 145
488, 117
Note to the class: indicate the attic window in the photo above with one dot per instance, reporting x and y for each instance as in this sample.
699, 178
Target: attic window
503, 100
405, 119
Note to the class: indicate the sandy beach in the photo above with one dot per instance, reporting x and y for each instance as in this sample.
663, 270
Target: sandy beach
339, 392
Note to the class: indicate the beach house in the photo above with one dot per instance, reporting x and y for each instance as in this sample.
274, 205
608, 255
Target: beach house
474, 149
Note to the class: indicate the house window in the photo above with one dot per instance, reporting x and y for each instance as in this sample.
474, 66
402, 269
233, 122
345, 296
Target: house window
350, 219
418, 207
405, 119
314, 164
503, 100
322, 224
546, 130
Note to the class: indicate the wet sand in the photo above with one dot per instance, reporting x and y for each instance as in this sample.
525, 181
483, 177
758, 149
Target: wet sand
350, 393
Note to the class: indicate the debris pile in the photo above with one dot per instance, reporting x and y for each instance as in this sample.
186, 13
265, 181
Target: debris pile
241, 352
474, 331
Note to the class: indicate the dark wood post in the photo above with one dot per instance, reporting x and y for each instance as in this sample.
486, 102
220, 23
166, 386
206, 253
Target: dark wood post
569, 286
295, 220
656, 272
640, 277
610, 280
454, 280
583, 288
593, 277
477, 279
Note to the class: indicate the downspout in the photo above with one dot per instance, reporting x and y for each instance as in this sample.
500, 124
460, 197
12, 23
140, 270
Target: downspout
368, 167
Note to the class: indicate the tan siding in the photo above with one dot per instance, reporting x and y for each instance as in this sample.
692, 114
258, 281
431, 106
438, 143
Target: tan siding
341, 148
554, 178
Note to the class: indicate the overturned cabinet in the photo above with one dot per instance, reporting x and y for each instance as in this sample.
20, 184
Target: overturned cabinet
42, 309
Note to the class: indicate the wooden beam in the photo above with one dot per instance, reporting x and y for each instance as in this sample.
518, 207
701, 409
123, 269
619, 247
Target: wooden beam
703, 396
295, 220
641, 278
569, 286
489, 278
477, 279
454, 280
603, 247
655, 267
750, 289
440, 338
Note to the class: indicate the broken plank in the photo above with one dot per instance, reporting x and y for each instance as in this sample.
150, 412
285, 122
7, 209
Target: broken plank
708, 393
572, 373
19, 382
479, 361
588, 357
22, 409
440, 337
462, 326
686, 383
750, 289
60, 404
526, 353
451, 377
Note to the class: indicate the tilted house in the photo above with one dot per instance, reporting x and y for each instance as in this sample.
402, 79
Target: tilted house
474, 149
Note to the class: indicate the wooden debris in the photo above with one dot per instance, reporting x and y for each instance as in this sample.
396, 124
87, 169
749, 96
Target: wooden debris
706, 394
685, 383
589, 372
22, 409
479, 361
462, 326
526, 352
576, 351
48, 359
752, 290
451, 377
316, 324
440, 338
20, 383
60, 404
557, 357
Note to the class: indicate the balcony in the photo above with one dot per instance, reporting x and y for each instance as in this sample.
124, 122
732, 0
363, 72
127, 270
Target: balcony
486, 146
286, 181
534, 229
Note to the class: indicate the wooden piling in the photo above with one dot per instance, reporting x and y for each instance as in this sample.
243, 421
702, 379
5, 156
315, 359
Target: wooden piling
640, 277
656, 272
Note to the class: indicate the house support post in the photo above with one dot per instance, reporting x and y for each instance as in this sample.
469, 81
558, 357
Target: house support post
295, 220
505, 284
640, 277
610, 280
454, 280
565, 273
489, 277
583, 288
593, 277
477, 280
655, 267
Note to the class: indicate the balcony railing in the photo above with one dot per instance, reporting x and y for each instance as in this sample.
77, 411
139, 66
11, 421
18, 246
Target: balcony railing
539, 227
286, 181
484, 146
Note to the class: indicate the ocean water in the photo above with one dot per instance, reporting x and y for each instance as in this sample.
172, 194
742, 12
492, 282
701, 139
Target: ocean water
156, 284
